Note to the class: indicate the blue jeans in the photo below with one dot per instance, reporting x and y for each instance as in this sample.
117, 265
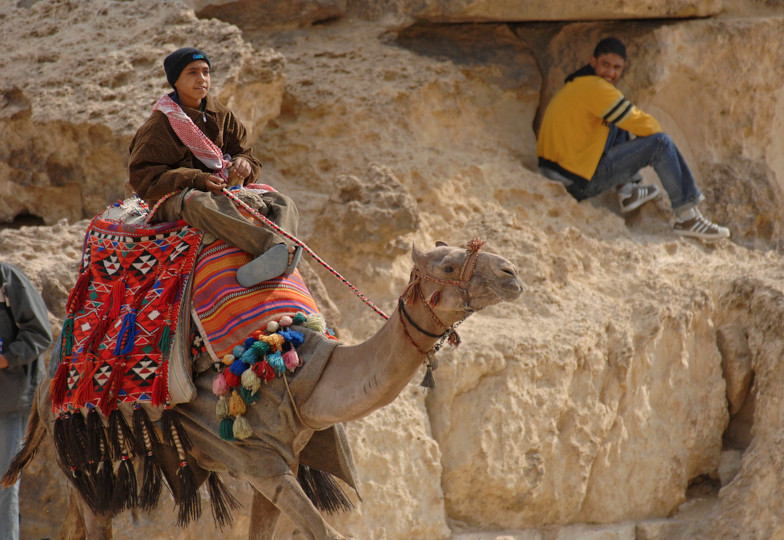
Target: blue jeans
12, 430
623, 160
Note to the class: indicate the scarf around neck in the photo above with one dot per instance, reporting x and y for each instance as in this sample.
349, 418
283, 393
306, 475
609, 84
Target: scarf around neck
191, 136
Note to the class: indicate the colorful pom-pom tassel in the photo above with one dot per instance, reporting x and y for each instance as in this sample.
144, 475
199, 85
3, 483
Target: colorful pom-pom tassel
251, 381
294, 337
249, 397
272, 327
275, 360
222, 407
238, 367
219, 386
315, 321
228, 359
232, 380
226, 429
264, 371
286, 321
249, 341
236, 404
275, 341
249, 357
291, 359
299, 318
238, 350
261, 347
242, 428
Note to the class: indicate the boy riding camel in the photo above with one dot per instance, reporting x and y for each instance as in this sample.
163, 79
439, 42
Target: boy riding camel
190, 149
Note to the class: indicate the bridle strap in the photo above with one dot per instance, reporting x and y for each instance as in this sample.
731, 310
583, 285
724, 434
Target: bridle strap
401, 307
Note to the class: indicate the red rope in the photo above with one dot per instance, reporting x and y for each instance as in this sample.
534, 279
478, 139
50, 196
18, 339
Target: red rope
309, 251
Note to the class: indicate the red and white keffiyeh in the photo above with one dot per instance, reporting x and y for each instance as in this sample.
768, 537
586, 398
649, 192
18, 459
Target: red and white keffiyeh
191, 136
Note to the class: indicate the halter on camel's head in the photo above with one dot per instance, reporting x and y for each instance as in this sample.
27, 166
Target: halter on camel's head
414, 292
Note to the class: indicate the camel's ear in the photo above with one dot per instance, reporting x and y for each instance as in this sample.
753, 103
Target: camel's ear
439, 243
417, 255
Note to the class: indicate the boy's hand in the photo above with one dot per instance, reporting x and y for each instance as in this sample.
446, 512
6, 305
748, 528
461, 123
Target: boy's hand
239, 170
215, 184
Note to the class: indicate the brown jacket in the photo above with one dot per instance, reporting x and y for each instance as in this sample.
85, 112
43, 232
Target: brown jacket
160, 163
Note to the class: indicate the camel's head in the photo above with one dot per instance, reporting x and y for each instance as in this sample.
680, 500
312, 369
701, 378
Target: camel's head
464, 279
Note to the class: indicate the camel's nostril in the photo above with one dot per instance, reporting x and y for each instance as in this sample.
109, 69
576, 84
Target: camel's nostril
509, 271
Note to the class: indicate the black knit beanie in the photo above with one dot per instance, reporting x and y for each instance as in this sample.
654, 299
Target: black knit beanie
179, 59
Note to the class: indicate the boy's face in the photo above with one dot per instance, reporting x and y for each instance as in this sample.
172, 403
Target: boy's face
608, 66
193, 84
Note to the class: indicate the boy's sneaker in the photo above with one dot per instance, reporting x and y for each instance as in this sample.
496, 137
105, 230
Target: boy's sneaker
700, 227
639, 195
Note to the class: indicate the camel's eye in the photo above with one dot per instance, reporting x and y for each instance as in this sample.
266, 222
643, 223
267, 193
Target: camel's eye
448, 269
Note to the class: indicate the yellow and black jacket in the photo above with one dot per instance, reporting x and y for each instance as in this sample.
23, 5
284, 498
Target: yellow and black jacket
576, 123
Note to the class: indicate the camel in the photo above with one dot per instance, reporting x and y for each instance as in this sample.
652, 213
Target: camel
446, 285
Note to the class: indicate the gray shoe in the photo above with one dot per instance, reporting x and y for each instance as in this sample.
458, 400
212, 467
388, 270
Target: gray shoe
271, 264
640, 194
700, 227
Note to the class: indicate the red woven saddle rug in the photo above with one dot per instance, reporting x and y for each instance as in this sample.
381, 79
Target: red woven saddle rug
227, 313
123, 312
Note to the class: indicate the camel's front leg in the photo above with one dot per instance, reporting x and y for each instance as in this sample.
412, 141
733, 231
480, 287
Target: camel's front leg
285, 493
263, 518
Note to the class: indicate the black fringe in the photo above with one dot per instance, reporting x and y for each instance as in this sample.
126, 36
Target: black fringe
71, 441
323, 490
146, 439
221, 501
76, 440
99, 457
170, 423
151, 482
190, 499
124, 494
121, 437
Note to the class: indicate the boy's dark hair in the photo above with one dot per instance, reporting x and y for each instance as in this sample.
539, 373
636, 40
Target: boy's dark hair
610, 45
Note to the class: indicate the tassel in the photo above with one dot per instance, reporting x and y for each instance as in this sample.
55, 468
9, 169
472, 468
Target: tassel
79, 292
100, 464
108, 400
232, 380
238, 368
294, 337
435, 298
127, 335
236, 404
410, 292
242, 429
160, 386
221, 501
169, 292
315, 321
85, 392
222, 407
454, 339
59, 385
291, 359
251, 381
190, 500
226, 429
323, 490
275, 341
219, 386
118, 299
142, 291
165, 338
264, 371
66, 347
145, 437
249, 397
429, 381
122, 439
173, 432
124, 495
275, 360
261, 347
94, 341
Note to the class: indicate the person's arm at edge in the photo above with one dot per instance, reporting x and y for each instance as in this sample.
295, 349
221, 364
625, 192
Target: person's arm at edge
30, 315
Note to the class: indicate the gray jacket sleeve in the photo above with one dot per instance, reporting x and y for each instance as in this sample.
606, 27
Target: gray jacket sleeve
32, 334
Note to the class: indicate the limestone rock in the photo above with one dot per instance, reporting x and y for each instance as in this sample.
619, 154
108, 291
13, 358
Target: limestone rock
736, 363
471, 11
255, 14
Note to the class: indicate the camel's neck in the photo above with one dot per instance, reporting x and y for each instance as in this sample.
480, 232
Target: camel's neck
362, 378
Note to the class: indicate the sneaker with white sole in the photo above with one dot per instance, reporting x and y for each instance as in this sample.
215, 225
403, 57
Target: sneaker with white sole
639, 195
700, 227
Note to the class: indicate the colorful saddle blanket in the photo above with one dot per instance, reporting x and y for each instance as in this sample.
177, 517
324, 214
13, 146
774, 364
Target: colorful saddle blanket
122, 315
227, 313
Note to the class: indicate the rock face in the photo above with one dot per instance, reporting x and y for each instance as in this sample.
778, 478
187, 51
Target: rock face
633, 391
